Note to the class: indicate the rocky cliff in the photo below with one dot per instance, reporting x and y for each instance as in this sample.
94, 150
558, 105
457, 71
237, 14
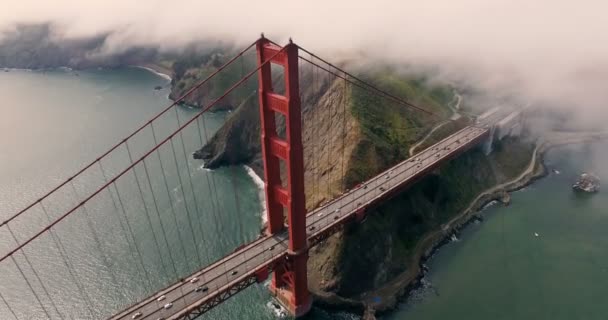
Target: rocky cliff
238, 140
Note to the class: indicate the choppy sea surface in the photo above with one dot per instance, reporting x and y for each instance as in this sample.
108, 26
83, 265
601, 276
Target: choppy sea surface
543, 257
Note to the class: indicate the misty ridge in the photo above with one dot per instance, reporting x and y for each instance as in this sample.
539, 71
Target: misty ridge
546, 53
41, 46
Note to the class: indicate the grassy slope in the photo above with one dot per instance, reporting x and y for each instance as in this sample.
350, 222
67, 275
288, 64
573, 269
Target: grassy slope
369, 255
443, 132
381, 248
388, 128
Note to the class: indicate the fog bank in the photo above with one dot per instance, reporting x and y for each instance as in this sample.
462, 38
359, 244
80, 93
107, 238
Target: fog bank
549, 52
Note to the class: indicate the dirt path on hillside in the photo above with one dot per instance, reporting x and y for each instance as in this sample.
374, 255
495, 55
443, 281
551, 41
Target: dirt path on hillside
455, 115
428, 135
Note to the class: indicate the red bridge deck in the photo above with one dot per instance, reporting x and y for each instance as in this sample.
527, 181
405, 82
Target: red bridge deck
251, 263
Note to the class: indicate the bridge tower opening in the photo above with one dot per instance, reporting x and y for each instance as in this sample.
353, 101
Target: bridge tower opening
289, 282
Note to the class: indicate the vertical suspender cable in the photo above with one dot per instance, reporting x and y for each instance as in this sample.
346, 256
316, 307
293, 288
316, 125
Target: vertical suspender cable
27, 281
132, 251
313, 134
196, 205
164, 175
8, 306
214, 205
27, 260
315, 139
67, 262
143, 201
239, 217
329, 138
138, 251
236, 202
35, 272
160, 220
187, 212
218, 221
214, 210
179, 177
158, 211
213, 184
104, 257
344, 122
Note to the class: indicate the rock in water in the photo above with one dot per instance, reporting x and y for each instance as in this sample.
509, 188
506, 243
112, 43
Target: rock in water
587, 182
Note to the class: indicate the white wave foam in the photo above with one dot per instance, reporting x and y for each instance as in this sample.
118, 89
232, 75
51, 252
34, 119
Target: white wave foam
260, 184
489, 205
18, 69
202, 167
454, 238
277, 309
160, 74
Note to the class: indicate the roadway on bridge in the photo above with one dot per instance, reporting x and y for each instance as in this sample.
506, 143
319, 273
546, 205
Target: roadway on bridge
263, 252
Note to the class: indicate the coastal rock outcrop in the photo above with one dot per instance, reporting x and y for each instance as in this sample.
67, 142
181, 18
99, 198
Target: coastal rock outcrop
236, 142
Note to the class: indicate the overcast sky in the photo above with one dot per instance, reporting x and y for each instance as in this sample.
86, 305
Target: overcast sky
548, 50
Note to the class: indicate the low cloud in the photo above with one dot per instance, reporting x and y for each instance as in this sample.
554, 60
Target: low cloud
547, 52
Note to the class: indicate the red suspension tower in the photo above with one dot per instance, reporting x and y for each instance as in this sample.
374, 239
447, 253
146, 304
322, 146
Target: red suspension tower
289, 282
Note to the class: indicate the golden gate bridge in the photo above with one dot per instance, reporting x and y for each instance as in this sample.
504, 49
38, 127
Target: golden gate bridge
137, 179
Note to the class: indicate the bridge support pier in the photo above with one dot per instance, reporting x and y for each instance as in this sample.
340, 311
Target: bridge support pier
298, 303
488, 144
289, 282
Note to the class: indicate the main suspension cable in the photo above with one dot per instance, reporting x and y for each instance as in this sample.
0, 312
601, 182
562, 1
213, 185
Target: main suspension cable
175, 103
133, 164
364, 84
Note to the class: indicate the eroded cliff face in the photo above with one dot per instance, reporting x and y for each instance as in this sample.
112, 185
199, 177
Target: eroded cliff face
330, 133
238, 140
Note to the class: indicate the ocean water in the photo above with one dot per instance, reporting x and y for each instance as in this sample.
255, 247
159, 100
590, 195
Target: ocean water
543, 257
52, 124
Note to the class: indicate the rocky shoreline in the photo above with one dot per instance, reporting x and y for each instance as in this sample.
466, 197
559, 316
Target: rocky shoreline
398, 290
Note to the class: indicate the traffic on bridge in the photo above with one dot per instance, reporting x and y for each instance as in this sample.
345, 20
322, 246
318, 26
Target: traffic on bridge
202, 290
134, 192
